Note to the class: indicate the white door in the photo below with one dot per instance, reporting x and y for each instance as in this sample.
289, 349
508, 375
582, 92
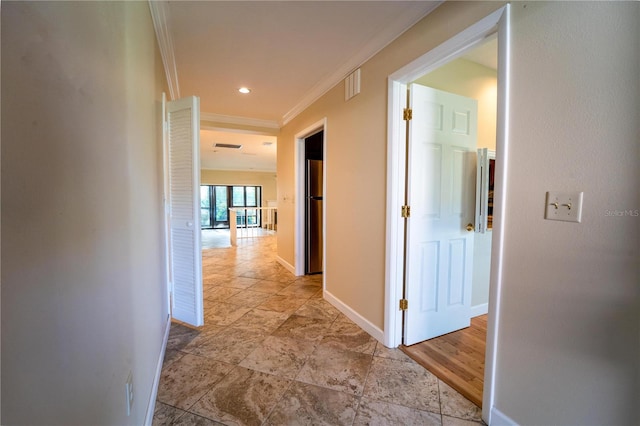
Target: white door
441, 194
183, 198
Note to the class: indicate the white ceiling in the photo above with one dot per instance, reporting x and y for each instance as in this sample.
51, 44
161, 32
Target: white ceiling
283, 50
289, 53
485, 54
255, 154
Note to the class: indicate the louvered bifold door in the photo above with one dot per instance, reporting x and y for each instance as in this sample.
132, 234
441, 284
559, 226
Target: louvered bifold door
183, 130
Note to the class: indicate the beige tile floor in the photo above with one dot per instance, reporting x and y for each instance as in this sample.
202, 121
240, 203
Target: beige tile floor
273, 352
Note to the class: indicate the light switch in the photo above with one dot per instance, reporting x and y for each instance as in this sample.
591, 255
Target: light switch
564, 206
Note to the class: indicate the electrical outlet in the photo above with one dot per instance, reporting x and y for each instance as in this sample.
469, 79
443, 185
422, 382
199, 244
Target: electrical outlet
129, 393
564, 206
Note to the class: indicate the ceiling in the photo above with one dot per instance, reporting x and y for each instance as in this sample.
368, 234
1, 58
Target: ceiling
258, 152
283, 51
485, 54
289, 53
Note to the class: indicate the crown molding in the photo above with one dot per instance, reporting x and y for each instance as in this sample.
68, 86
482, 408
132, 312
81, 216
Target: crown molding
160, 16
241, 121
381, 40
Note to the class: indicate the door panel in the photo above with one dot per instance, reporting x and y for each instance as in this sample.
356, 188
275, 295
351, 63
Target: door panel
441, 193
430, 261
457, 260
183, 128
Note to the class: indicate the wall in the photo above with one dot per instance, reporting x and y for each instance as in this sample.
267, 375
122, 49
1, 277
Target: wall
475, 81
223, 177
568, 342
83, 291
569, 318
355, 161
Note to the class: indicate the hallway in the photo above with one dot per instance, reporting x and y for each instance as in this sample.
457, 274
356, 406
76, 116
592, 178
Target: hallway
273, 352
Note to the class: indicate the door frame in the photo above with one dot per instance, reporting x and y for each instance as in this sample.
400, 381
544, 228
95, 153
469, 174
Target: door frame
497, 22
299, 234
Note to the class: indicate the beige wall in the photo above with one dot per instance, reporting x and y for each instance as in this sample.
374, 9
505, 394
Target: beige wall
223, 177
83, 291
570, 327
355, 197
568, 342
478, 82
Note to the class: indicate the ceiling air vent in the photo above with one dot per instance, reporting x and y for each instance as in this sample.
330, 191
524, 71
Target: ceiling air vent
227, 145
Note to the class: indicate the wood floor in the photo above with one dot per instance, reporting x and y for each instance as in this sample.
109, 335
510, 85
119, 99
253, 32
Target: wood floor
456, 358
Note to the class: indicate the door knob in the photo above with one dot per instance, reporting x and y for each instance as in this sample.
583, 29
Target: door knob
470, 227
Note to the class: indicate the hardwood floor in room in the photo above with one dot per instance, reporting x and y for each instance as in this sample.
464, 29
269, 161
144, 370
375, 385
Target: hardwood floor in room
456, 358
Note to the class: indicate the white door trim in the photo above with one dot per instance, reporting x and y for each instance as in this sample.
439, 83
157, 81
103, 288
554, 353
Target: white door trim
165, 203
299, 168
396, 152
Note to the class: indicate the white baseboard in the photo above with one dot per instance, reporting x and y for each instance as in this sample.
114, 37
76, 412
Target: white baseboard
289, 267
498, 418
151, 406
367, 326
478, 310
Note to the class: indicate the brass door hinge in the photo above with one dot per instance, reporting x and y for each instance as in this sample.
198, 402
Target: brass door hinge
404, 304
407, 114
406, 211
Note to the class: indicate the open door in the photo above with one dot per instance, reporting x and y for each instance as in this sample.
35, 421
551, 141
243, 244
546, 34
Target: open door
441, 195
182, 139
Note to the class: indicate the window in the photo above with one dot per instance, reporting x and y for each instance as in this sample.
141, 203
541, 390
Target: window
214, 205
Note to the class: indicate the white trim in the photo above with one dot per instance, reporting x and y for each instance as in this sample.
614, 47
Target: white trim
241, 121
498, 418
224, 169
382, 39
447, 51
396, 149
478, 310
451, 49
160, 17
222, 128
299, 207
289, 267
367, 326
165, 204
500, 202
151, 405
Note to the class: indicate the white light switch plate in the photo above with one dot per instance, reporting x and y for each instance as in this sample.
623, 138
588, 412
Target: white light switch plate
564, 206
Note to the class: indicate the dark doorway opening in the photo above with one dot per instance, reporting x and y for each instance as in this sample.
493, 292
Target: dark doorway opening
313, 150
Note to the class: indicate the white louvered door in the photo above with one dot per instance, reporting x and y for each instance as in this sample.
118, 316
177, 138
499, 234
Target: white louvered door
183, 139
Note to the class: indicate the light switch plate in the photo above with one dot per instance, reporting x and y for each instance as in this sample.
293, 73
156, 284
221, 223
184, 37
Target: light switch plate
564, 206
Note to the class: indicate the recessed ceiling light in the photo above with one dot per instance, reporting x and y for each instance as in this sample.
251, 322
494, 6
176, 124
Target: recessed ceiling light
244, 90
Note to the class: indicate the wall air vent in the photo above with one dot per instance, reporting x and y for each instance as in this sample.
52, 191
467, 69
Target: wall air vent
352, 85
227, 145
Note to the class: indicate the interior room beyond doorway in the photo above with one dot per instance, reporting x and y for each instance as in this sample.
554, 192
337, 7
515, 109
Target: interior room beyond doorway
458, 358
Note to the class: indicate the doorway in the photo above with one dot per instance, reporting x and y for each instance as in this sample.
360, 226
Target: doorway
317, 149
497, 22
313, 229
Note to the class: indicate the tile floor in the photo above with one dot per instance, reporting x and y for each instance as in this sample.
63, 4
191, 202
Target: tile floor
273, 352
